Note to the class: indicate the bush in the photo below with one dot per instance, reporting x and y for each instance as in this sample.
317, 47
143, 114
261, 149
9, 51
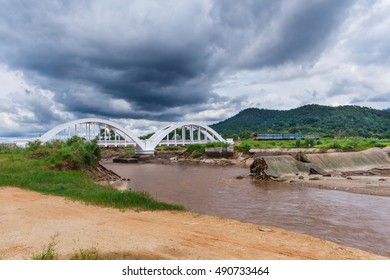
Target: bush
195, 150
217, 144
74, 153
244, 147
335, 145
309, 142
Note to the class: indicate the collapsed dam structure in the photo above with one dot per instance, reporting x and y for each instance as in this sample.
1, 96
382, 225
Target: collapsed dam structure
325, 162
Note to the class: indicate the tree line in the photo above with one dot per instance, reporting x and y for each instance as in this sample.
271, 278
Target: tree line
341, 121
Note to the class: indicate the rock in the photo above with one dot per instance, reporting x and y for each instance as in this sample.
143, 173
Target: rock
301, 156
248, 162
265, 229
301, 177
349, 178
382, 179
314, 169
239, 177
314, 178
120, 185
125, 160
224, 162
258, 168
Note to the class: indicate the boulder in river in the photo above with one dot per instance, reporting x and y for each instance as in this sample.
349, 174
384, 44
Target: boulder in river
258, 168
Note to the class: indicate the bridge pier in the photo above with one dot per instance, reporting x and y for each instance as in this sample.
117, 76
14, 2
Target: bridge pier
139, 152
146, 149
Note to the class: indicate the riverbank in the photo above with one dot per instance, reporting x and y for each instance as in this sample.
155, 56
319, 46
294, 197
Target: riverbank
369, 185
30, 220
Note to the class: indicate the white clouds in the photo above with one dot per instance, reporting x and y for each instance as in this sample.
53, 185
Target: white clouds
25, 108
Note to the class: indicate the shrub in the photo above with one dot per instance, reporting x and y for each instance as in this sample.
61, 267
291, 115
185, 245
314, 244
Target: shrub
217, 144
74, 153
309, 142
244, 147
335, 145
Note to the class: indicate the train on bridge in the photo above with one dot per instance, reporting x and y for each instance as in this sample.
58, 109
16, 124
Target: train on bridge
287, 136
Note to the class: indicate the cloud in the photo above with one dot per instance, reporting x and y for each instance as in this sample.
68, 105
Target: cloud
264, 33
26, 109
180, 60
153, 61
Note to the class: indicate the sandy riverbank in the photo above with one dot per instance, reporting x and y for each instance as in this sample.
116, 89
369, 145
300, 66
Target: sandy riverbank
29, 220
370, 185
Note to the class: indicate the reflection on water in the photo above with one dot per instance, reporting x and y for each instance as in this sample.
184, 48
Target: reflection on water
354, 220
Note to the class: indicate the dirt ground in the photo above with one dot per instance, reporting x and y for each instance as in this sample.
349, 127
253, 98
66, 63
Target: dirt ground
29, 221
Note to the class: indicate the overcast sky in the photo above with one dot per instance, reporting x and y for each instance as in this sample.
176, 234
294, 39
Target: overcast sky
144, 63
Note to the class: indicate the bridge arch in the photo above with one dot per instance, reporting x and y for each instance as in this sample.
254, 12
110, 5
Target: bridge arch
182, 133
123, 132
204, 134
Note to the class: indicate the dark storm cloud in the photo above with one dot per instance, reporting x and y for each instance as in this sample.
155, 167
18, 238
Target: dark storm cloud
270, 33
125, 62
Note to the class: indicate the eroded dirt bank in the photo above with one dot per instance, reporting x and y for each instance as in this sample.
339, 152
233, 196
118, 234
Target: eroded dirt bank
28, 220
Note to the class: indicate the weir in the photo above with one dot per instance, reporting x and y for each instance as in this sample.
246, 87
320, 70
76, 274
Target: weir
279, 165
350, 160
324, 162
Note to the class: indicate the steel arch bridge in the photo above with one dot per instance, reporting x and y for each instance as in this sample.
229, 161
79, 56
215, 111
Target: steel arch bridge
110, 134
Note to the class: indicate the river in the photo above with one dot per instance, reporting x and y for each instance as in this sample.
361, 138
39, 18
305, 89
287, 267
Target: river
354, 220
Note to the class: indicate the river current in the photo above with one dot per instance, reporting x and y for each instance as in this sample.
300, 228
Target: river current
354, 220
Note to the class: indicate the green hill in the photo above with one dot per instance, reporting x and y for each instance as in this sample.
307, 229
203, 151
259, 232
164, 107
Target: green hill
326, 120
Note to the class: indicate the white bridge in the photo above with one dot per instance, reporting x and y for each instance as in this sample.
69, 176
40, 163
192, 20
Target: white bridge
110, 134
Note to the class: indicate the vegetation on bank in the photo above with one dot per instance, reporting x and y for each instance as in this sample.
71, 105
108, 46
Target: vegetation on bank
324, 144
198, 150
50, 252
62, 168
329, 122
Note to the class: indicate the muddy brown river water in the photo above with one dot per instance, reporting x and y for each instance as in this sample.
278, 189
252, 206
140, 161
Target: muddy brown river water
355, 220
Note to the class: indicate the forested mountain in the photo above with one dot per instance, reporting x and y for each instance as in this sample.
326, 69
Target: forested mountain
327, 121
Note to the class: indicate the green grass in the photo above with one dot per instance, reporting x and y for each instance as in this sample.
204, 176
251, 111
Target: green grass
87, 254
344, 144
48, 253
19, 167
